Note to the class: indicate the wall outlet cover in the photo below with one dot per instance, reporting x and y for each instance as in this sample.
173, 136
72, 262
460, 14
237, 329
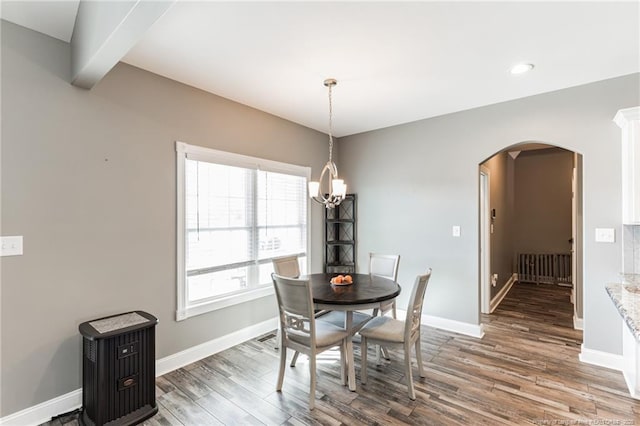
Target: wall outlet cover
11, 246
605, 235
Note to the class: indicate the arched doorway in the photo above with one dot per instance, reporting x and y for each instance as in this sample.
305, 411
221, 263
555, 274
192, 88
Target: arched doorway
530, 216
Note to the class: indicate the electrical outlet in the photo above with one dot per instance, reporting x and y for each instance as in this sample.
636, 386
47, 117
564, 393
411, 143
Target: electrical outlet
11, 246
456, 231
605, 235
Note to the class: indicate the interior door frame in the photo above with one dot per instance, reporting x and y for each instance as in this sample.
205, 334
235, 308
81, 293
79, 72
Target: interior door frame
485, 240
577, 259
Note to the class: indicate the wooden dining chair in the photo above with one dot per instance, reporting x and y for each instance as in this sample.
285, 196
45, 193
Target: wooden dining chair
286, 266
301, 332
385, 265
386, 331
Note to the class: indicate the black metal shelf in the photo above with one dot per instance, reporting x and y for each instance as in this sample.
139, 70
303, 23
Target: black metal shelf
341, 264
340, 243
340, 237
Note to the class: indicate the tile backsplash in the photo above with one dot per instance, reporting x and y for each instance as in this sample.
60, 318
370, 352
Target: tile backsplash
631, 247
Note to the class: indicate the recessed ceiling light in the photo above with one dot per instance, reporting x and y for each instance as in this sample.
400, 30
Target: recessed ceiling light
521, 68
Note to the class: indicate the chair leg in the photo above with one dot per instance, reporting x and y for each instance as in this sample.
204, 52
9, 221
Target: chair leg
378, 354
277, 345
312, 388
343, 363
419, 358
408, 374
283, 363
385, 353
363, 360
295, 358
393, 310
351, 368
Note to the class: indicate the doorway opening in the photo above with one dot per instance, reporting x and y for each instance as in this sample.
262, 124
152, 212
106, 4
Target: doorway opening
530, 222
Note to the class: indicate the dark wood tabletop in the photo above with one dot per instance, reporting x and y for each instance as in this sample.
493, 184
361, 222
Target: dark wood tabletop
366, 289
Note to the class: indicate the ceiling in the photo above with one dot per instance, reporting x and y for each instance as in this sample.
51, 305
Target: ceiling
395, 62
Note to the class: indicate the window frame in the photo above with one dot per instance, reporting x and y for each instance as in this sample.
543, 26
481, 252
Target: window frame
185, 310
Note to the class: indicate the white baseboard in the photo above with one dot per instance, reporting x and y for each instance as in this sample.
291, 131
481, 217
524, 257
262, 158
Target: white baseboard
43, 412
578, 323
196, 353
601, 359
502, 293
473, 330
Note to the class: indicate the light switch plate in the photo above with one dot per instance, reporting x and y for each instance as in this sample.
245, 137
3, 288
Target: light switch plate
11, 246
456, 231
605, 235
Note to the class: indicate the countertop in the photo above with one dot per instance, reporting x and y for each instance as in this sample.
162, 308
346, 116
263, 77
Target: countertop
628, 305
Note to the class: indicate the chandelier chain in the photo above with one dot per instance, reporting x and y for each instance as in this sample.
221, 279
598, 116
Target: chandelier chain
330, 124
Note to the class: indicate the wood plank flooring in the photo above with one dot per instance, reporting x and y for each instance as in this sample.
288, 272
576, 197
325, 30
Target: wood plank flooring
524, 371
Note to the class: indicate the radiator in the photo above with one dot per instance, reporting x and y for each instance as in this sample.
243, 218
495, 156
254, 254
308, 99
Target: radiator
554, 268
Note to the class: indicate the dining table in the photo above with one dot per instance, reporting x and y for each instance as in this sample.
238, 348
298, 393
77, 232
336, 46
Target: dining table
365, 292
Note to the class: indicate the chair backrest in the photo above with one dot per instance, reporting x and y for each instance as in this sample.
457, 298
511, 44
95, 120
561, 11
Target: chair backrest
286, 266
414, 310
295, 305
384, 265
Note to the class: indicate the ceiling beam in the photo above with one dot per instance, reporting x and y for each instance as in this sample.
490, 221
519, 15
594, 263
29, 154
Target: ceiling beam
105, 31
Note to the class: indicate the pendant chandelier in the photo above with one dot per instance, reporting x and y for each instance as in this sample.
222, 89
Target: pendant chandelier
333, 192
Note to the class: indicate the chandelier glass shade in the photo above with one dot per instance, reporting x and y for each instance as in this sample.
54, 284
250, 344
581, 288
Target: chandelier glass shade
329, 189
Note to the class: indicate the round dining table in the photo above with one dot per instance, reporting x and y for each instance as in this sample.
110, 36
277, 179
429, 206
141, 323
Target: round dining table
366, 292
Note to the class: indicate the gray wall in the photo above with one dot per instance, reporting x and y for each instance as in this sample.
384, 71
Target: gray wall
88, 178
543, 201
502, 200
421, 178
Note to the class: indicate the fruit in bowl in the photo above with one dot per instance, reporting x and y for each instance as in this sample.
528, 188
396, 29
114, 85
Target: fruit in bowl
337, 280
342, 280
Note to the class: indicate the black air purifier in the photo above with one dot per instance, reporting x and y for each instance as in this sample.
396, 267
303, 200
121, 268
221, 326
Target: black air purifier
119, 369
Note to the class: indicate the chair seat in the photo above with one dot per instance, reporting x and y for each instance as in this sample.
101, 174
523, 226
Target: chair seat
326, 335
337, 319
384, 328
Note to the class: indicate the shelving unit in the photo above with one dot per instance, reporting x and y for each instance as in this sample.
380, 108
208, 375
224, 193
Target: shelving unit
340, 237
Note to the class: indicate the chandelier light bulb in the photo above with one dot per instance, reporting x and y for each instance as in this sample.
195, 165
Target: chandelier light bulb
314, 189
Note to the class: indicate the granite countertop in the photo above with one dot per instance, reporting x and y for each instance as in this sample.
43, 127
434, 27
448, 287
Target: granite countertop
627, 301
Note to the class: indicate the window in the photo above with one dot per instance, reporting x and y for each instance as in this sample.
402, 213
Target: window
235, 214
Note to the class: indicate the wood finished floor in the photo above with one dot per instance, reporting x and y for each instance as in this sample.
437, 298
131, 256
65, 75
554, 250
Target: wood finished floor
524, 371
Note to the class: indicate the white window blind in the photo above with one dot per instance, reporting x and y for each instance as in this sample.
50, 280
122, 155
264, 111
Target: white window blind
238, 213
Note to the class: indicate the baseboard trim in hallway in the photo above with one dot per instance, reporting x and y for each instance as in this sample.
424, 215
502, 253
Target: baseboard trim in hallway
601, 359
578, 323
503, 292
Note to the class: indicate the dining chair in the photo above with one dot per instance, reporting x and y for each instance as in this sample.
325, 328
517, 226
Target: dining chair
385, 265
286, 266
386, 331
302, 333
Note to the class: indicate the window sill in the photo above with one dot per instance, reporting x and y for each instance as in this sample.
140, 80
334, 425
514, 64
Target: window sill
223, 302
